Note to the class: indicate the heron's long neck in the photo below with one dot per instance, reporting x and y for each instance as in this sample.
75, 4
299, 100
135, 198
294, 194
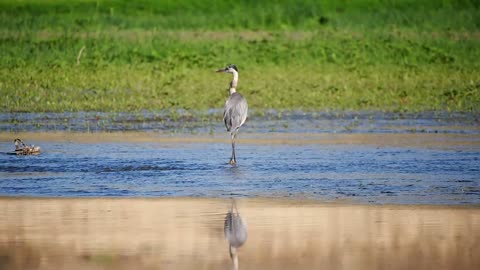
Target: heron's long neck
233, 84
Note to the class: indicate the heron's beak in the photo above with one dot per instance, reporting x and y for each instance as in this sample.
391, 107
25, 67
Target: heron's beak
221, 70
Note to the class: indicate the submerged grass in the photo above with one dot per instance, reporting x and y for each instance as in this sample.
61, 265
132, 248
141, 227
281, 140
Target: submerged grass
151, 55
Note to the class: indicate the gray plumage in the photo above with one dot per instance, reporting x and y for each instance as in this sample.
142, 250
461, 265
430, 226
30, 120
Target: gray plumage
235, 112
235, 230
236, 109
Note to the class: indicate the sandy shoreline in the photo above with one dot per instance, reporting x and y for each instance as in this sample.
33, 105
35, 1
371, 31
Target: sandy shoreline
421, 140
187, 233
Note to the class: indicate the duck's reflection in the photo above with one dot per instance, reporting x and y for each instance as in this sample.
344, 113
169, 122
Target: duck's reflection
236, 233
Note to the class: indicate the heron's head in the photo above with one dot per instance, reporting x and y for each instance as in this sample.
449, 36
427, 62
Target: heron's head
229, 69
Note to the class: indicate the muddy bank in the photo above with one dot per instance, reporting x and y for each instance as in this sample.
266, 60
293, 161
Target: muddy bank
440, 141
210, 122
188, 234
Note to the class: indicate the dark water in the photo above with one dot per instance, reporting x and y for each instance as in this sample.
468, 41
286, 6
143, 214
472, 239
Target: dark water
329, 172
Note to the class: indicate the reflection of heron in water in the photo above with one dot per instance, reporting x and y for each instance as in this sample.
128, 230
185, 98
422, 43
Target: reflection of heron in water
235, 232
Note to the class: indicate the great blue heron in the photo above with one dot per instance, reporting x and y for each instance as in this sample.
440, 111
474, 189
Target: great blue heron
235, 110
235, 230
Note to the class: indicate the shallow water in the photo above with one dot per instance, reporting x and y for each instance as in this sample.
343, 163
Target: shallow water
179, 233
360, 168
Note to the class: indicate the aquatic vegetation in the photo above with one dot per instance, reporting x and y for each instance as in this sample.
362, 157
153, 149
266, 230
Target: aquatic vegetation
155, 55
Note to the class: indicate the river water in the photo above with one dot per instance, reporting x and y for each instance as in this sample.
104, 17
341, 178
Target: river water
353, 157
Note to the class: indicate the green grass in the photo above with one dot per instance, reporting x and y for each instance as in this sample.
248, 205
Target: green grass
153, 55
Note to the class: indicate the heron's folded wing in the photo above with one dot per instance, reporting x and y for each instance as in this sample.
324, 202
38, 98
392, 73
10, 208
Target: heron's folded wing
235, 111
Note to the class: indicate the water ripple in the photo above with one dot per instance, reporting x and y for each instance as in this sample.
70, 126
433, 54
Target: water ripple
355, 172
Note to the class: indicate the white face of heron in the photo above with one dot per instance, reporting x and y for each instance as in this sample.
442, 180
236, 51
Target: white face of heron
229, 69
232, 69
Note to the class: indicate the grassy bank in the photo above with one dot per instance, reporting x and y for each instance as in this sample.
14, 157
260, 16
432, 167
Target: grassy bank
150, 55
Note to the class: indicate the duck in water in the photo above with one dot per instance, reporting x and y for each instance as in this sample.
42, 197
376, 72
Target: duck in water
22, 149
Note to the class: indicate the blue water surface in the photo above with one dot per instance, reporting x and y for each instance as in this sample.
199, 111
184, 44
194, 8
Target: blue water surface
352, 173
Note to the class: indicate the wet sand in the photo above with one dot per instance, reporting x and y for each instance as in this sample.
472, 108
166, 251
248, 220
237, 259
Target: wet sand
186, 233
422, 140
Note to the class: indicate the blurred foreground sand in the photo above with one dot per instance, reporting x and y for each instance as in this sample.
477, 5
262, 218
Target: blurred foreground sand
185, 233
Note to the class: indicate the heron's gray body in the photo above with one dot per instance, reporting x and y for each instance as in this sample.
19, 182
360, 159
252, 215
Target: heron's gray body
235, 112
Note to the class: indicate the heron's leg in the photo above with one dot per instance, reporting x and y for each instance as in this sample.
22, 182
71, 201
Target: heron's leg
234, 204
233, 160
